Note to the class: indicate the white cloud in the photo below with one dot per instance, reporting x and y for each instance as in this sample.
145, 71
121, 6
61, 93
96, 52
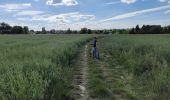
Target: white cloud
165, 1
136, 13
62, 2
111, 3
128, 1
167, 12
23, 19
29, 13
14, 7
70, 17
60, 18
73, 20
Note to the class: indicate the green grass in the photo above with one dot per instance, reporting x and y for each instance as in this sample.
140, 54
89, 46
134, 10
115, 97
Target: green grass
98, 88
141, 65
34, 67
97, 83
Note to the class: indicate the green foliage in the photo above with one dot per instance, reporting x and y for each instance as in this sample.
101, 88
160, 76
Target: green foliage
84, 31
98, 87
37, 67
144, 62
26, 29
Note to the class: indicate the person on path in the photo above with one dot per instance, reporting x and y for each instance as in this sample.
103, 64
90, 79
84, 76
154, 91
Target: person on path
94, 42
94, 49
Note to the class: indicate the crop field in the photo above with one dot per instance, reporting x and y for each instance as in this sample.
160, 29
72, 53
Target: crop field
34, 67
61, 67
132, 67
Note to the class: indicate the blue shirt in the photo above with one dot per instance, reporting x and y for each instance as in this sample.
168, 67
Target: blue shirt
94, 43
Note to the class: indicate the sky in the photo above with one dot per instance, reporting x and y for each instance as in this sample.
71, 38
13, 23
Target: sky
77, 14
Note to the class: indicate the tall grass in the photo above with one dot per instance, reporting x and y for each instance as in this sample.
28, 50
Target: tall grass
34, 67
145, 62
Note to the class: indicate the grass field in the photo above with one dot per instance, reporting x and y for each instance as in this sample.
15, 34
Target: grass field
34, 67
136, 67
131, 67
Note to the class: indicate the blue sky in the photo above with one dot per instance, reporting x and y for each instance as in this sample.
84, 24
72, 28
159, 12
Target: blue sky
76, 14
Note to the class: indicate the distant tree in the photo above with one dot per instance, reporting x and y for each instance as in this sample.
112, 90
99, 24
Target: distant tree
52, 31
114, 31
32, 32
168, 28
26, 30
83, 31
43, 30
68, 31
38, 32
132, 31
106, 32
137, 29
89, 31
152, 29
17, 30
98, 31
165, 29
5, 28
155, 29
75, 32
145, 29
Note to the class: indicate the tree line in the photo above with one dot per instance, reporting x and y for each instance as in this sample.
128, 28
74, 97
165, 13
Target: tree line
145, 29
7, 29
150, 29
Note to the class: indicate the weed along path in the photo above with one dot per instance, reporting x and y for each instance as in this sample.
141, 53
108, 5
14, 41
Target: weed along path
84, 71
107, 75
81, 79
111, 77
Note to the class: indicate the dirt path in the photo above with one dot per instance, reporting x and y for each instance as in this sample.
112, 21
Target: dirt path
81, 77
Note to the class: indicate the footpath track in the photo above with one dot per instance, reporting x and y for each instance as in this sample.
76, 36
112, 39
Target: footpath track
81, 79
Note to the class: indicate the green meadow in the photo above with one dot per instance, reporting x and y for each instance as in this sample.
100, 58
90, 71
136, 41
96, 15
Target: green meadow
42, 67
135, 67
34, 67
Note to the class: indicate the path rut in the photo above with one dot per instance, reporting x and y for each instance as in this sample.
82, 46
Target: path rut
81, 77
